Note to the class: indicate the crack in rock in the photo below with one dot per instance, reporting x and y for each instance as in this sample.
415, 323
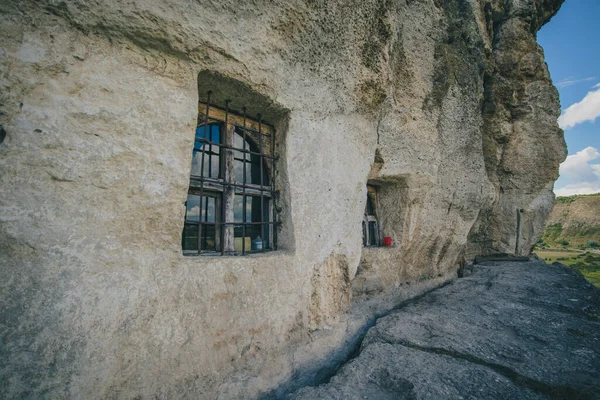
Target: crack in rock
546, 389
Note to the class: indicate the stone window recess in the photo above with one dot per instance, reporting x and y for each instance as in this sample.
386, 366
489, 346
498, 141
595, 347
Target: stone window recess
230, 206
370, 225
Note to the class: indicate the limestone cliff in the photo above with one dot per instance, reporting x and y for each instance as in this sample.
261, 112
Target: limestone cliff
446, 107
522, 143
575, 219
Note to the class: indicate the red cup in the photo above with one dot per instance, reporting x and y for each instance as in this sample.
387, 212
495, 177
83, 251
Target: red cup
387, 241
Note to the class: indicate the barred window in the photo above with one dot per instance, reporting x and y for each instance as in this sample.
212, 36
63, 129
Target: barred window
230, 205
371, 229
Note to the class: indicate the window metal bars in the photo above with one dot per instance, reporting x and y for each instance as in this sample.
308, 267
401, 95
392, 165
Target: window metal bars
202, 173
226, 174
263, 189
204, 141
371, 239
244, 218
262, 201
273, 228
220, 182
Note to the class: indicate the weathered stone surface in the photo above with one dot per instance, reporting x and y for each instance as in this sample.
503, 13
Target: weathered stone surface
509, 330
98, 107
521, 142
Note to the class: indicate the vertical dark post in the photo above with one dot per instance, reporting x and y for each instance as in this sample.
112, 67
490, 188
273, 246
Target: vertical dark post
518, 232
262, 199
210, 139
226, 188
244, 190
202, 173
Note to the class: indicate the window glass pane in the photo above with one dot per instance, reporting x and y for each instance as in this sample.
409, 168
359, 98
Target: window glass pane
253, 214
214, 163
252, 161
200, 132
253, 169
239, 157
190, 237
208, 209
238, 143
370, 208
211, 152
196, 162
192, 208
238, 210
209, 238
372, 233
213, 130
239, 238
238, 170
215, 134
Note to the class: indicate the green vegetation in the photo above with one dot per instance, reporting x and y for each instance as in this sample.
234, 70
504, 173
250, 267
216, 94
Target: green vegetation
553, 231
585, 262
571, 199
573, 223
572, 235
566, 200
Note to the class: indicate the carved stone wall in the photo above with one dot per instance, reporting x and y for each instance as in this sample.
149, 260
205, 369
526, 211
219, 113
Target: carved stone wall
98, 108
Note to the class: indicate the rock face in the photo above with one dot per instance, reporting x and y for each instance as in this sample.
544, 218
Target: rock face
510, 330
446, 107
575, 219
521, 142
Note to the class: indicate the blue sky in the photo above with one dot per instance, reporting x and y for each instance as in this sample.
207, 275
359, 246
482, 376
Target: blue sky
571, 42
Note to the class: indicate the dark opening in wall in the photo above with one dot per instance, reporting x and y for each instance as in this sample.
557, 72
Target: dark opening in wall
371, 226
2, 134
232, 204
388, 198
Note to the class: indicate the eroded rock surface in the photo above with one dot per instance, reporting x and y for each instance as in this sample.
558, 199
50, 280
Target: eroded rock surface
509, 330
445, 106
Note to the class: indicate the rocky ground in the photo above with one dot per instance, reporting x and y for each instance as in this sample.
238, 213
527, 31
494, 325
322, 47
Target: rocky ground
509, 330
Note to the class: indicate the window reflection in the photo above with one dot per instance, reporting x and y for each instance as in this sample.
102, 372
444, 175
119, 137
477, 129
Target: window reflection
193, 209
212, 161
253, 214
223, 201
252, 161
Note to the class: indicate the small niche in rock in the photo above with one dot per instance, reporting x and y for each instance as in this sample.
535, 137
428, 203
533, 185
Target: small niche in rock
2, 134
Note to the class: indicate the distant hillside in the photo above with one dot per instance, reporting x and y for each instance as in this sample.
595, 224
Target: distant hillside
574, 222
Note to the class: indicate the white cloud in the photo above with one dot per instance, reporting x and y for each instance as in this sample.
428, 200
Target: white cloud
587, 109
570, 81
193, 213
582, 177
577, 166
578, 188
